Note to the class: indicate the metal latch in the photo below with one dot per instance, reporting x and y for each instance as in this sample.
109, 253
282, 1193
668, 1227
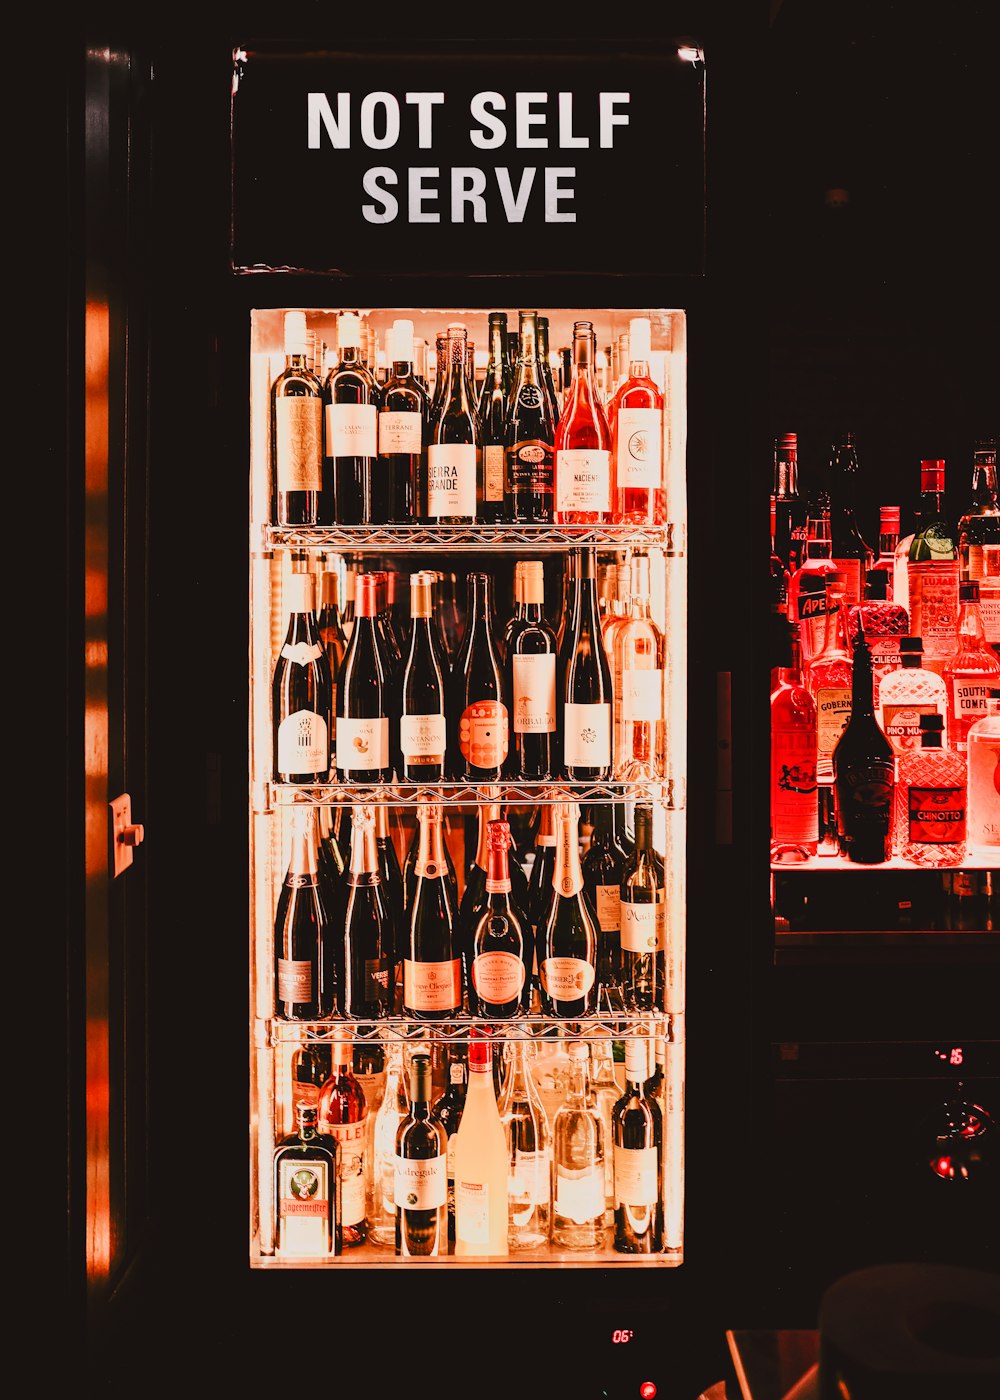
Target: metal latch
125, 834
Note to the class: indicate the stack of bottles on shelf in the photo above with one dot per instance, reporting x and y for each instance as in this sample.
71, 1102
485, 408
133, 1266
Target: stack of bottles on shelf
885, 698
352, 445
526, 1144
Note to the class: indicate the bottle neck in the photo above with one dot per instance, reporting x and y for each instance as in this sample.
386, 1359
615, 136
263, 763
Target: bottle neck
984, 481
579, 1078
487, 814
862, 692
567, 878
644, 829
639, 586
637, 1063
430, 848
497, 870
835, 634
364, 851
402, 369
971, 632
302, 857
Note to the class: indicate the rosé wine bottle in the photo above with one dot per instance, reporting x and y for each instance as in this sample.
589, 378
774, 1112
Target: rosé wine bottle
794, 805
635, 415
583, 442
929, 816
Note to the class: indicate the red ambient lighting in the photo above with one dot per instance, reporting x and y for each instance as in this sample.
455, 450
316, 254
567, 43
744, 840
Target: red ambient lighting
647, 1390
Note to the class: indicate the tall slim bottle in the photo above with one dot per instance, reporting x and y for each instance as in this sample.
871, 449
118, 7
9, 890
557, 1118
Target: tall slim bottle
639, 741
367, 956
531, 661
364, 699
432, 968
392, 1111
423, 729
343, 1114
545, 365
447, 1110
578, 1150
300, 692
642, 911
785, 495
529, 1147
568, 941
585, 692
582, 459
402, 430
864, 772
479, 713
304, 970
638, 1149
602, 867
351, 396
635, 416
481, 1160
297, 485
529, 438
421, 1174
794, 802
494, 398
850, 552
331, 634
972, 670
453, 450
979, 526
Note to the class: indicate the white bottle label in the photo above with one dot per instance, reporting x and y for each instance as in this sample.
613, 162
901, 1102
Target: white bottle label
352, 1138
301, 653
566, 979
901, 724
298, 425
351, 430
971, 698
639, 459
451, 479
534, 694
362, 744
583, 480
636, 1174
303, 744
421, 1185
400, 432
493, 473
984, 562
304, 1207
642, 695
472, 1211
422, 736
528, 1182
639, 927
989, 611
587, 741
608, 908
580, 1198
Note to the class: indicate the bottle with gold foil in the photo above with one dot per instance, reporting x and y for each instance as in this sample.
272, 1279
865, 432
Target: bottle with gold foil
568, 940
432, 967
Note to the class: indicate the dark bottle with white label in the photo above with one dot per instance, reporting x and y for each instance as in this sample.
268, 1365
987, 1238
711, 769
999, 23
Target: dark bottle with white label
567, 942
421, 1171
364, 705
300, 692
351, 397
603, 866
494, 398
641, 913
423, 727
478, 713
637, 1129
402, 430
584, 692
531, 667
529, 438
863, 771
453, 448
502, 947
304, 966
306, 1191
367, 955
298, 496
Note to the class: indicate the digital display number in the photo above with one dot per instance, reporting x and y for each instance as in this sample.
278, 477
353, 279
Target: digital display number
622, 1334
955, 1055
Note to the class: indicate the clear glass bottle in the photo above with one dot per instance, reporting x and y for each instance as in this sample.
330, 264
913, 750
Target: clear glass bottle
979, 527
888, 539
828, 677
639, 739
578, 1148
930, 555
606, 1092
983, 755
971, 671
481, 1160
929, 817
794, 800
530, 1152
393, 1111
453, 444
907, 693
545, 365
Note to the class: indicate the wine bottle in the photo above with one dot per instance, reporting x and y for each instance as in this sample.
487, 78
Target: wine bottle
585, 693
979, 525
432, 968
531, 682
453, 450
392, 1113
530, 1153
583, 443
516, 618
474, 899
331, 866
402, 430
545, 368
493, 401
529, 435
543, 869
501, 945
304, 973
447, 1111
306, 1199
347, 611
367, 972
421, 1188
635, 416
602, 867
567, 945
478, 715
331, 634
972, 670
392, 884
638, 1148
343, 1114
926, 581
639, 740
578, 1148
481, 1160
351, 397
423, 727
363, 696
300, 692
642, 912
864, 771
296, 434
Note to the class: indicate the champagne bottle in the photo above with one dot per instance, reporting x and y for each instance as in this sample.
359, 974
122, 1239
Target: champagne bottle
423, 725
421, 1188
481, 1160
331, 634
529, 436
501, 943
351, 397
475, 899
343, 1114
453, 450
331, 866
493, 400
297, 434
304, 975
638, 1149
402, 429
583, 443
479, 715
306, 1197
585, 693
300, 692
363, 696
642, 913
367, 976
531, 683
432, 968
567, 946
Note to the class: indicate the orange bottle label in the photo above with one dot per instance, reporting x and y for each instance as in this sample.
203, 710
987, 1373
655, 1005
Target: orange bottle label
482, 734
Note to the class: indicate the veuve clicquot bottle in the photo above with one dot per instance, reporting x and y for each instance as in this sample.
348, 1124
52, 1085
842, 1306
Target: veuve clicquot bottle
529, 436
479, 718
300, 692
296, 434
368, 955
638, 1145
502, 945
532, 683
642, 914
351, 397
493, 401
423, 728
363, 698
567, 946
453, 449
421, 1171
402, 430
864, 771
304, 973
585, 691
432, 968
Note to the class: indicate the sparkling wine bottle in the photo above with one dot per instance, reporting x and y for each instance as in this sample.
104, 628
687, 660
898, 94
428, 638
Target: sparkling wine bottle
475, 899
578, 1148
929, 816
481, 1160
501, 945
493, 401
638, 1149
391, 875
403, 422
423, 723
306, 1191
352, 397
530, 1153
568, 941
343, 1114
304, 970
392, 1112
529, 437
331, 866
453, 450
300, 692
642, 912
583, 443
367, 963
585, 692
635, 416
479, 715
545, 366
432, 968
531, 682
421, 1185
297, 494
363, 696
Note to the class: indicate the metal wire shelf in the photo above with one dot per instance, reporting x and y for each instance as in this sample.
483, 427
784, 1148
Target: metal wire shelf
414, 538
461, 794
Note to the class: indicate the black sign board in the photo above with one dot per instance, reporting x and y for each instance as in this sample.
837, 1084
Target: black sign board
454, 159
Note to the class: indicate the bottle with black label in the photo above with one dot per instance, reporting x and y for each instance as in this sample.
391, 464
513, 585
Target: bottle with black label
529, 439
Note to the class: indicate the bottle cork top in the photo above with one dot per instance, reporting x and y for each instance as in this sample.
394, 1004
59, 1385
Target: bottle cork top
300, 593
401, 340
349, 329
639, 338
296, 336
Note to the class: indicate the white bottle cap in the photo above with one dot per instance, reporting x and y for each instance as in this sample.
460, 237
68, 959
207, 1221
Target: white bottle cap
296, 336
401, 340
349, 329
300, 593
639, 338
579, 1050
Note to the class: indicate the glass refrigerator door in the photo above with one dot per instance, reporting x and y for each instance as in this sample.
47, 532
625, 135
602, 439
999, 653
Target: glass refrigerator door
548, 1208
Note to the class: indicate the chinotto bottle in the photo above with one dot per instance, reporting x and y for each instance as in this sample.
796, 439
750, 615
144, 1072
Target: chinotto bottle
929, 822
567, 942
638, 1147
296, 434
794, 805
972, 670
421, 1171
306, 1191
864, 772
583, 443
983, 753
300, 692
